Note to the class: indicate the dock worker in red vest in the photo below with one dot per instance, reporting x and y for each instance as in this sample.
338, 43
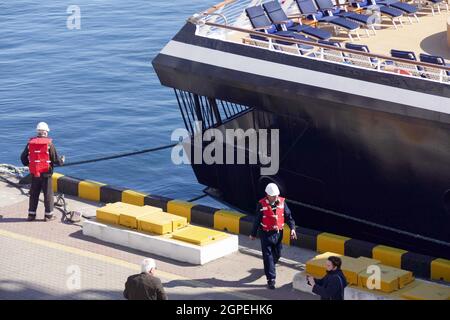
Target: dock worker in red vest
271, 214
40, 156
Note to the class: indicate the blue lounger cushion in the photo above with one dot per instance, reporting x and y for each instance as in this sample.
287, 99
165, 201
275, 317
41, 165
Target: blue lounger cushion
277, 15
362, 18
287, 34
360, 4
362, 48
434, 60
342, 22
328, 6
258, 17
393, 12
310, 31
261, 22
405, 7
390, 11
307, 7
330, 43
409, 55
358, 47
295, 36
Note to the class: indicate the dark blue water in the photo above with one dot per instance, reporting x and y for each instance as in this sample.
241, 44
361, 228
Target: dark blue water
95, 87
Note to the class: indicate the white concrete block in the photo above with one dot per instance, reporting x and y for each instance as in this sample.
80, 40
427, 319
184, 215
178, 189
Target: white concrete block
92, 230
350, 293
161, 245
219, 249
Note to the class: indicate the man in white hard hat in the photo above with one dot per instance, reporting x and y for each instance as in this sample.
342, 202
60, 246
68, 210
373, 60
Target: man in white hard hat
40, 156
271, 214
145, 286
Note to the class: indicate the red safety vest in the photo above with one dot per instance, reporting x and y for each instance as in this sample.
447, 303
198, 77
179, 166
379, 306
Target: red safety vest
39, 156
270, 220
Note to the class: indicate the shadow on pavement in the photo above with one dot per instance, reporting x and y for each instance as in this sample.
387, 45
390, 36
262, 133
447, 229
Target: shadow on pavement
13, 220
22, 290
79, 235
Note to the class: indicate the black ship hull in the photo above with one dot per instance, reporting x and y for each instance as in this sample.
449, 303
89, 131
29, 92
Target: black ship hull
368, 158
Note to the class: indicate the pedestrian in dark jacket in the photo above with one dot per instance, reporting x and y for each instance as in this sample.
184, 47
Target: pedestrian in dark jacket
330, 287
145, 286
41, 179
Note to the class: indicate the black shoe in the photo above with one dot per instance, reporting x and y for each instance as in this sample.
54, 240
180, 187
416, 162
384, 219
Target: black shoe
271, 284
31, 217
50, 218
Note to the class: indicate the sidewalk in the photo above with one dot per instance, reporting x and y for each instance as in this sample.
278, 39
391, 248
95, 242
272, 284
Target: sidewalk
40, 260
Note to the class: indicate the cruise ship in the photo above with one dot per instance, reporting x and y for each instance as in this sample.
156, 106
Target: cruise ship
360, 93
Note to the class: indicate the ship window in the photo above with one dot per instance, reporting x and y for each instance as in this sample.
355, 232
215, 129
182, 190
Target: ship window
447, 200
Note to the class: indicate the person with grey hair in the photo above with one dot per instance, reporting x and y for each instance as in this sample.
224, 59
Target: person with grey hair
145, 285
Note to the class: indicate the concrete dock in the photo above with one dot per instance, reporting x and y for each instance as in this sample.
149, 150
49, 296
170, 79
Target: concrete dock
53, 260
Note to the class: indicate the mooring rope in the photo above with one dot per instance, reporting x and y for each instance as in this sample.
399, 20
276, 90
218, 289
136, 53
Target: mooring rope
120, 155
372, 224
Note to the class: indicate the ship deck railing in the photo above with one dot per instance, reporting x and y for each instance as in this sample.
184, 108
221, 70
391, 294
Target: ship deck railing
227, 21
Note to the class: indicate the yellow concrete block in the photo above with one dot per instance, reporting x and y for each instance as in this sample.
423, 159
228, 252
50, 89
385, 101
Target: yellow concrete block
388, 255
428, 291
440, 269
112, 211
178, 222
351, 267
108, 214
89, 190
129, 206
133, 197
198, 235
180, 208
161, 222
55, 178
389, 281
148, 208
155, 224
369, 260
329, 242
129, 216
227, 220
317, 265
405, 277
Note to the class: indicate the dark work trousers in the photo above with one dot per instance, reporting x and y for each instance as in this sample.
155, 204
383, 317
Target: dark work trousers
43, 184
271, 245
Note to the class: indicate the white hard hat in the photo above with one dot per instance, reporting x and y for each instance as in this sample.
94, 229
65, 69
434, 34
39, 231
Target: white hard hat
147, 265
42, 126
272, 189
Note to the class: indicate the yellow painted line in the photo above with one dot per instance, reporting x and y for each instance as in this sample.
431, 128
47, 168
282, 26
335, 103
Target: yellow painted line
122, 263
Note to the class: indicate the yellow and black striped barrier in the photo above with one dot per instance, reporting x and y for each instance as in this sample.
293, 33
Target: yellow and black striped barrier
238, 223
